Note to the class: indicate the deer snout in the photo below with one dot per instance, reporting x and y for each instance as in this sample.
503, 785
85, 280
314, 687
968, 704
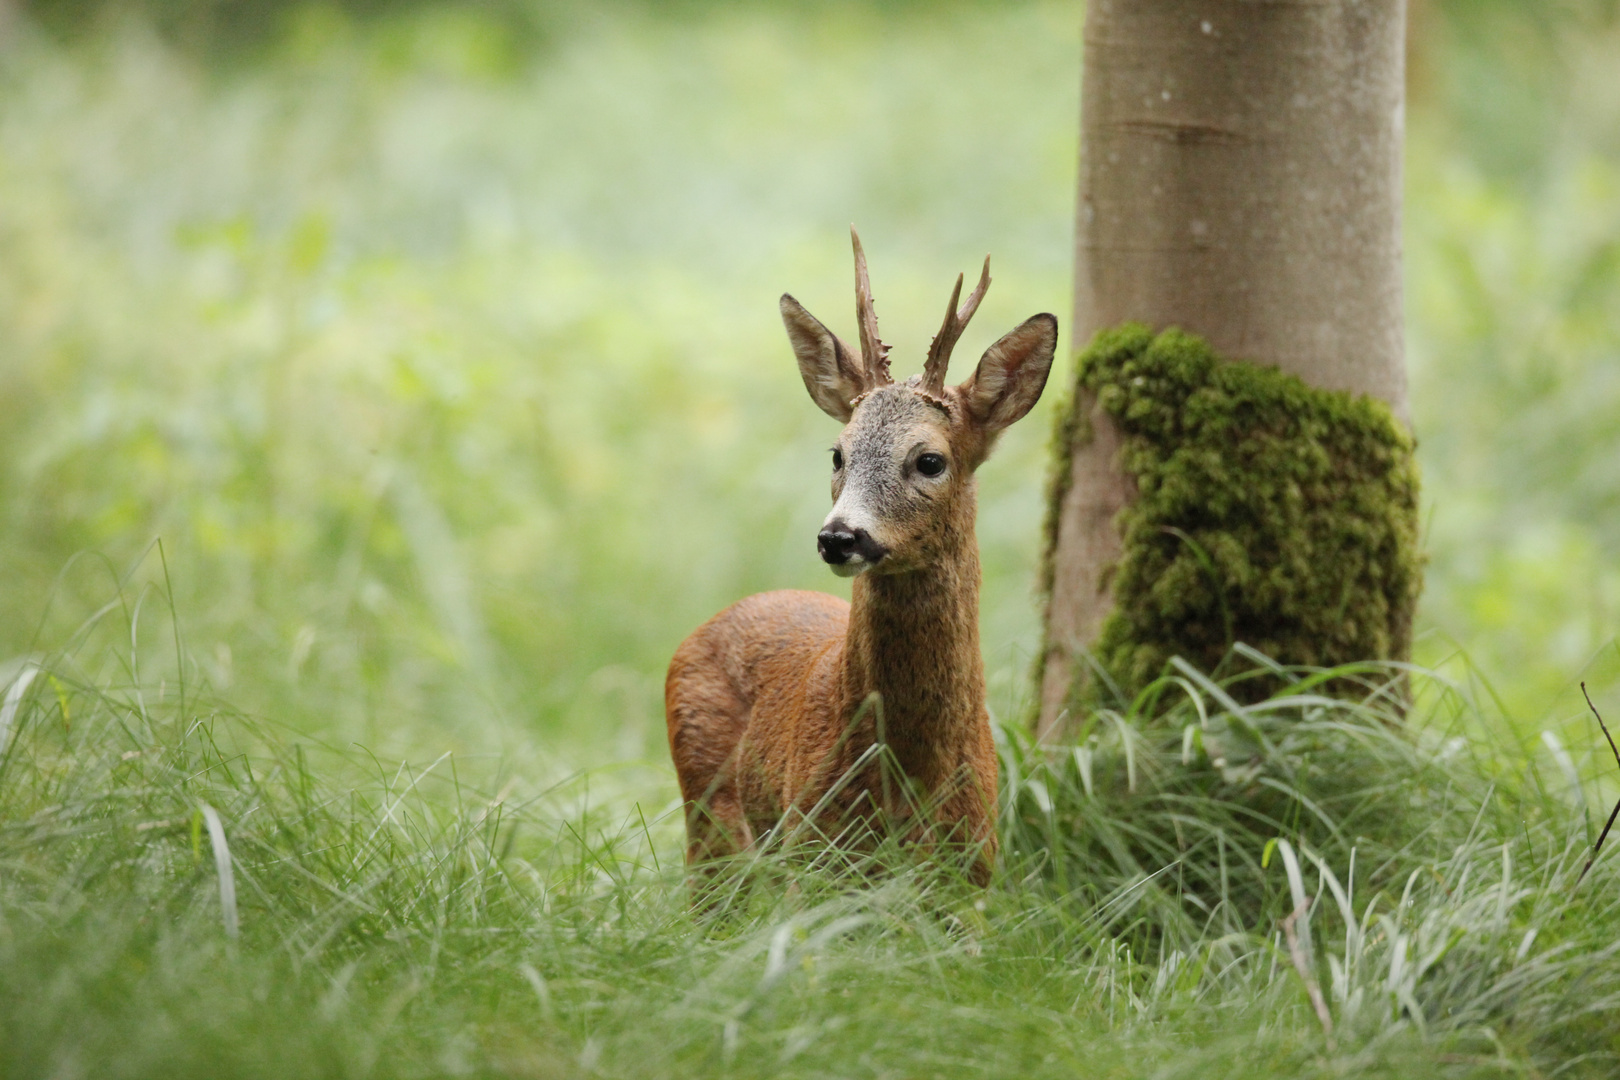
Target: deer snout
848, 550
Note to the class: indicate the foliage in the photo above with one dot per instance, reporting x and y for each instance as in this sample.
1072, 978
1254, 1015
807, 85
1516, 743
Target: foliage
194, 892
1267, 512
1513, 221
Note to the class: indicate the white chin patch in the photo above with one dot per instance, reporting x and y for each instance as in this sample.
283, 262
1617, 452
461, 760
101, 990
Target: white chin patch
851, 568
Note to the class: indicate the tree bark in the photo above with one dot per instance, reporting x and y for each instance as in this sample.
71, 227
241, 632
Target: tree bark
1240, 178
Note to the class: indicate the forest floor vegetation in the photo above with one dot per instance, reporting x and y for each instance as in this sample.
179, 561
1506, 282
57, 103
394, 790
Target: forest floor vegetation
1300, 886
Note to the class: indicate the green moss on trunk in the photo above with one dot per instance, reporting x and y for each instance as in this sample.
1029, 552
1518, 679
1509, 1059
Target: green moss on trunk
1270, 512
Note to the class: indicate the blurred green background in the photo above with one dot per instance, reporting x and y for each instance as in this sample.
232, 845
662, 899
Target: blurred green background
437, 342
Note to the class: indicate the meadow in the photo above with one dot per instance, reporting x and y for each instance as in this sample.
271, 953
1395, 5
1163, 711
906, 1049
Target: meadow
383, 398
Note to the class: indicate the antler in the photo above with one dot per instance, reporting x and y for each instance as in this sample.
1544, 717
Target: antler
956, 320
874, 354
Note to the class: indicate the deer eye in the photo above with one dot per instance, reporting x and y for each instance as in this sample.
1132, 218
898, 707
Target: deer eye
931, 464
838, 459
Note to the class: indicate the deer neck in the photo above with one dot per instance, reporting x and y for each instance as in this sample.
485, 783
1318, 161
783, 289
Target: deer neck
914, 639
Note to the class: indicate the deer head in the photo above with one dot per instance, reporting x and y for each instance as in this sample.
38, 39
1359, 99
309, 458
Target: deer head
903, 466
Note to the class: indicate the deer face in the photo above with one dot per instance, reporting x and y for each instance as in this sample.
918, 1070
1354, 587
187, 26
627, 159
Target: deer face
903, 466
896, 477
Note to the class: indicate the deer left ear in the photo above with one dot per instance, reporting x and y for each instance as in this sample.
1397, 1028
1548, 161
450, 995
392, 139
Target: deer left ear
1011, 375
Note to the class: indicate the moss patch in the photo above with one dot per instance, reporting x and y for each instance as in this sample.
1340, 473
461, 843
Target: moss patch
1270, 512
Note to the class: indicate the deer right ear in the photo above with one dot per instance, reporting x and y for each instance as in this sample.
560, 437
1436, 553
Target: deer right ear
830, 371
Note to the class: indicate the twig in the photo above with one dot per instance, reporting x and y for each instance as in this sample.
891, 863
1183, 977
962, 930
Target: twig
1615, 749
1296, 952
1604, 835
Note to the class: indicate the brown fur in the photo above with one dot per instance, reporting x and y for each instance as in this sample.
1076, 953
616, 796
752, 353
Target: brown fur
764, 701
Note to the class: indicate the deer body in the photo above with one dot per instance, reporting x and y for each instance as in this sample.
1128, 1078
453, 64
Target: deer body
770, 704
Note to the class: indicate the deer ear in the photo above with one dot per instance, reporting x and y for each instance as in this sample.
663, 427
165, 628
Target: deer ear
829, 369
1011, 375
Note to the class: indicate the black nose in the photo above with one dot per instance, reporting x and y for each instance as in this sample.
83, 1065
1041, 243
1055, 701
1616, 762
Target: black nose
836, 544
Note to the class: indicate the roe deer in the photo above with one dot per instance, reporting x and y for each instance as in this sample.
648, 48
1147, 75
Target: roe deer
765, 700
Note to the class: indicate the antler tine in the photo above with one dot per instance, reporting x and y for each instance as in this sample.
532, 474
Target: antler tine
975, 296
956, 320
874, 354
939, 351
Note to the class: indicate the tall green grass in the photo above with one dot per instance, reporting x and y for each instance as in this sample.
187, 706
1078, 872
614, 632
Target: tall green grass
189, 891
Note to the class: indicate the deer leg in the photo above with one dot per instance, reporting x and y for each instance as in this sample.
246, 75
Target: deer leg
707, 718
716, 827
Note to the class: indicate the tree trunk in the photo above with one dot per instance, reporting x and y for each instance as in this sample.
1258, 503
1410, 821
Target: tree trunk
1240, 178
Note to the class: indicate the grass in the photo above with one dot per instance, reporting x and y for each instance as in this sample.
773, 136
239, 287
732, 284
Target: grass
447, 371
191, 891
